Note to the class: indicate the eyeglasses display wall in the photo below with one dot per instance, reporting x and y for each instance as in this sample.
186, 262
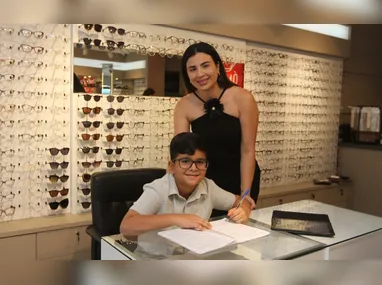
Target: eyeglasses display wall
34, 120
52, 140
299, 102
120, 132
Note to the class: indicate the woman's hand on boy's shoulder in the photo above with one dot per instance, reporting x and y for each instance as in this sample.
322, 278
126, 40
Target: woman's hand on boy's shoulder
190, 221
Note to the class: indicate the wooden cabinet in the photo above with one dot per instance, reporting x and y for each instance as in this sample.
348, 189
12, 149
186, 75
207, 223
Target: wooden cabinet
17, 254
24, 242
71, 243
336, 194
17, 250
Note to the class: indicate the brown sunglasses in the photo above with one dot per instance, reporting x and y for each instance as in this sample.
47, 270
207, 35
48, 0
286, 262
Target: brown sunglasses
88, 124
87, 164
87, 110
55, 165
86, 177
111, 98
111, 125
85, 205
87, 149
54, 151
118, 138
110, 163
55, 178
88, 97
63, 192
85, 191
119, 111
86, 137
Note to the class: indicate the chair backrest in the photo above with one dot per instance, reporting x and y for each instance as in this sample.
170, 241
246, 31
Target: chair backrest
114, 192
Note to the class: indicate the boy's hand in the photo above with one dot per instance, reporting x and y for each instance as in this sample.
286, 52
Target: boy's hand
238, 215
189, 221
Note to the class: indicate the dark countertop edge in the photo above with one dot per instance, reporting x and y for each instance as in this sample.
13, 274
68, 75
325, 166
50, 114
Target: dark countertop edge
361, 146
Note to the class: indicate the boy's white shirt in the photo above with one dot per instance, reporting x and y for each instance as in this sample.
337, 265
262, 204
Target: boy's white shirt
162, 197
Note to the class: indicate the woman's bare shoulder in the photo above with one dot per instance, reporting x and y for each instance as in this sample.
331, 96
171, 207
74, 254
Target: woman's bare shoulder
242, 94
185, 101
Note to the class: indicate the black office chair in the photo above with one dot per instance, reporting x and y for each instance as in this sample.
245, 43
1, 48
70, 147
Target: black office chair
113, 193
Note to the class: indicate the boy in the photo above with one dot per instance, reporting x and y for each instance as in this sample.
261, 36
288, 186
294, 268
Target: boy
183, 197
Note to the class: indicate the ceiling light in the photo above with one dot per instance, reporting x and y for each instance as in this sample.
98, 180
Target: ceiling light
333, 30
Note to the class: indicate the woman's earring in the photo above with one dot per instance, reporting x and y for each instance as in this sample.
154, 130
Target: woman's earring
219, 78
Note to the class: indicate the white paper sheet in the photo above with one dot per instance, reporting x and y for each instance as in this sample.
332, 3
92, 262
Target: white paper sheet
199, 242
241, 233
223, 233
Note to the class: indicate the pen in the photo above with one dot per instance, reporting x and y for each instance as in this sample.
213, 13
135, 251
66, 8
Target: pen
242, 198
241, 201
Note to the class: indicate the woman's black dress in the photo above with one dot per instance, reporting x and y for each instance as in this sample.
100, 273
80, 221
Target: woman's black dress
222, 135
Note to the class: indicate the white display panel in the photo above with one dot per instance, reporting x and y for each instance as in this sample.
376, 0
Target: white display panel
299, 103
35, 102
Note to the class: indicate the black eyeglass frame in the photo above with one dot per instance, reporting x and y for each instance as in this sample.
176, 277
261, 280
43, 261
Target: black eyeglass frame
205, 161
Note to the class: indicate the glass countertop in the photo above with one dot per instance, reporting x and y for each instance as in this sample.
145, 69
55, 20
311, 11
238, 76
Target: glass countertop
347, 224
276, 245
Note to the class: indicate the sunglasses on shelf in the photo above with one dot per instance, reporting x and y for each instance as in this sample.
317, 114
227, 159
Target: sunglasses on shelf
62, 192
97, 27
109, 151
118, 138
87, 110
111, 163
87, 164
85, 204
63, 204
86, 177
54, 178
110, 98
113, 44
88, 124
55, 165
87, 149
119, 111
88, 97
111, 125
54, 151
112, 30
85, 191
86, 137
88, 41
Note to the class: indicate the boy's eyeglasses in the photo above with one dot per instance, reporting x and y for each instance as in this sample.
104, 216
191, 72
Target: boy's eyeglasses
186, 163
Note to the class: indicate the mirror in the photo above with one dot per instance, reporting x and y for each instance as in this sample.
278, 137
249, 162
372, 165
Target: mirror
127, 72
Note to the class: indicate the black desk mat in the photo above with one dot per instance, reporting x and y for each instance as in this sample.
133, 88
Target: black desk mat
302, 223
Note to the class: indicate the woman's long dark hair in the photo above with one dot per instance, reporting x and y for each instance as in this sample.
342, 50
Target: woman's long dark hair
203, 47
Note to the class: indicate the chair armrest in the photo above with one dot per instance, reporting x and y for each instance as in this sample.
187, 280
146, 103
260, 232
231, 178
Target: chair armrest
91, 231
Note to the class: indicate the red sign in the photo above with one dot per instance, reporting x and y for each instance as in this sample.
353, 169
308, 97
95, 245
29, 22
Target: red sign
235, 72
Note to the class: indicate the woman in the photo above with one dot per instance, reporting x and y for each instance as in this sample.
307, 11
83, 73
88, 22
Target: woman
225, 115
